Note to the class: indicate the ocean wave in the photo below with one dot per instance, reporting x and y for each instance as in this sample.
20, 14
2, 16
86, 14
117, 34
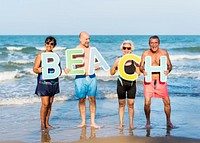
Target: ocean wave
29, 100
9, 75
106, 96
19, 100
21, 62
192, 74
54, 49
188, 49
17, 48
36, 99
28, 48
101, 75
181, 57
15, 64
105, 75
12, 48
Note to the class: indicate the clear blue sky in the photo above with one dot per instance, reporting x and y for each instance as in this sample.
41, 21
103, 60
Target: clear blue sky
66, 17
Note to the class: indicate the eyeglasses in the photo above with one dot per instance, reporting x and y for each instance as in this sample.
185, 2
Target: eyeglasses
128, 48
48, 43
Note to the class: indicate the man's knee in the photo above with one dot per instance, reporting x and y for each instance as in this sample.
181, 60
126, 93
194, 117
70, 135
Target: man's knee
92, 99
82, 101
166, 102
147, 103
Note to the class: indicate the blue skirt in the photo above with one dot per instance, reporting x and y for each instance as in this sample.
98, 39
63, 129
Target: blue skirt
47, 90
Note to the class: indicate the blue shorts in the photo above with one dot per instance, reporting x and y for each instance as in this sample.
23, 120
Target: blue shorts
85, 85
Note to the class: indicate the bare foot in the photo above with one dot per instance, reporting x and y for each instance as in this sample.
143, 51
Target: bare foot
131, 127
121, 126
81, 125
43, 128
49, 127
170, 125
94, 125
148, 126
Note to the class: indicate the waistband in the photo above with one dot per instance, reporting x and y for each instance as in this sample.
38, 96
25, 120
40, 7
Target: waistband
47, 82
83, 76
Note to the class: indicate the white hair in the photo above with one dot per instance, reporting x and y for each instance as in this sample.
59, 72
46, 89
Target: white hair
127, 42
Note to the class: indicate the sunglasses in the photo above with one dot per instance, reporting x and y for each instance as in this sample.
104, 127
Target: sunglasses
48, 43
128, 48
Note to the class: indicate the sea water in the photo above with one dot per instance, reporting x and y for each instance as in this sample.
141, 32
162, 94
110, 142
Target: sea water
20, 106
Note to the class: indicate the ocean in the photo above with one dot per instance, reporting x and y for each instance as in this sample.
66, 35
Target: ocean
19, 105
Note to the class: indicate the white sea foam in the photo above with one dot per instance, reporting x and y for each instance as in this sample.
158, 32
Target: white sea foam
180, 57
111, 96
19, 100
54, 49
40, 48
8, 75
28, 100
181, 73
192, 74
30, 71
12, 48
21, 61
105, 75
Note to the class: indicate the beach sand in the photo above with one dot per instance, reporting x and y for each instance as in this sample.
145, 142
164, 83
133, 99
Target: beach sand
126, 139
129, 139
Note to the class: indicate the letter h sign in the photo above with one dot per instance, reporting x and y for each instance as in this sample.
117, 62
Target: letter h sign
149, 69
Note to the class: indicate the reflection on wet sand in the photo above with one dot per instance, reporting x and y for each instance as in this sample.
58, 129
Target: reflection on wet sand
148, 132
121, 132
45, 137
84, 133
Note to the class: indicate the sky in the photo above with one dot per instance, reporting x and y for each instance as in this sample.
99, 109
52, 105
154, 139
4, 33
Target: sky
100, 17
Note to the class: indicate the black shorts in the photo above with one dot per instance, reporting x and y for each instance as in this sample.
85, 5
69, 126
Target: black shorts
128, 87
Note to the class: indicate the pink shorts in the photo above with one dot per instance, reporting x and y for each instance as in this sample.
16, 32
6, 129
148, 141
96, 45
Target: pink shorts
155, 88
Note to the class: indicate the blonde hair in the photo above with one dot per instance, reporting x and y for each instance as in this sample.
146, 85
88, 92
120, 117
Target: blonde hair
127, 42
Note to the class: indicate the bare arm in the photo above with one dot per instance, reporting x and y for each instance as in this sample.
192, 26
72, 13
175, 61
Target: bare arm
114, 67
36, 68
169, 64
137, 68
142, 62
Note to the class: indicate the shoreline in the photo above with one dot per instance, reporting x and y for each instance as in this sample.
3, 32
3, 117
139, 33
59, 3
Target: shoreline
125, 139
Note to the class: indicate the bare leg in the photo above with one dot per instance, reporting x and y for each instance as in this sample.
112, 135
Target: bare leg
43, 111
131, 112
147, 111
122, 103
82, 110
92, 100
167, 108
48, 126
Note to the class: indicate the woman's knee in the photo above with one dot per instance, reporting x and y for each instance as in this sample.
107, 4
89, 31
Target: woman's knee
122, 102
45, 104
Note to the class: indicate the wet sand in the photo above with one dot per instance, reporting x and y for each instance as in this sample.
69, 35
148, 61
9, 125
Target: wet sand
126, 139
129, 139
